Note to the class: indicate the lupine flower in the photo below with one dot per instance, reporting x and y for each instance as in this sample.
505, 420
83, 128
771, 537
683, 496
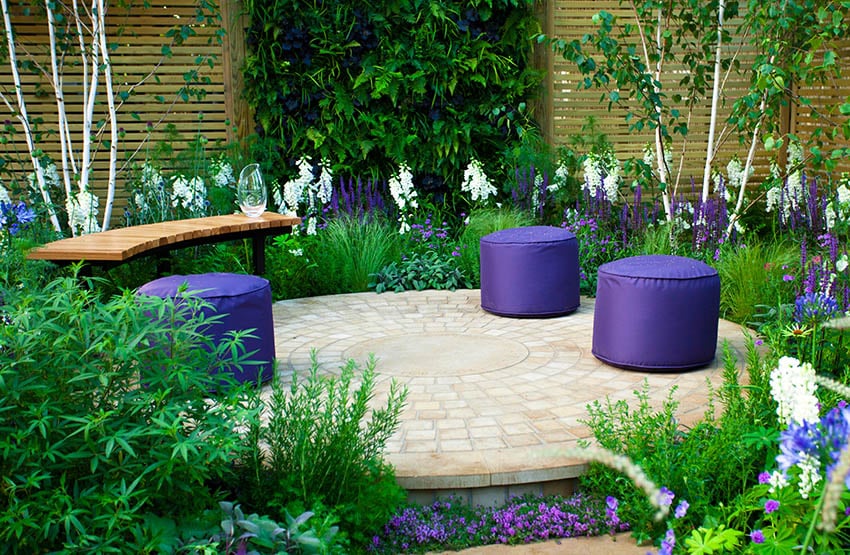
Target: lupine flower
764, 477
757, 536
792, 385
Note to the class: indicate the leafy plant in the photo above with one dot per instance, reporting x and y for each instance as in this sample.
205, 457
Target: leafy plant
368, 87
106, 420
479, 223
756, 274
420, 272
325, 446
348, 251
263, 535
707, 465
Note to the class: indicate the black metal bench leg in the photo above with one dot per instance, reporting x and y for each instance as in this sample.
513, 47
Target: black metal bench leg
259, 254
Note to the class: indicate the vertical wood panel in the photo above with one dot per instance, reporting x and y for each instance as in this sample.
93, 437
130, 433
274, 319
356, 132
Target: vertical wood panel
143, 118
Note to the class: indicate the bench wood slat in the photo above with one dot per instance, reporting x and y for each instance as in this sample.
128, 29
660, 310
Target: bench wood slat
121, 245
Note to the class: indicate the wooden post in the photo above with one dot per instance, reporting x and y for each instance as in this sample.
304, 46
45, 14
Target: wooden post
234, 22
542, 59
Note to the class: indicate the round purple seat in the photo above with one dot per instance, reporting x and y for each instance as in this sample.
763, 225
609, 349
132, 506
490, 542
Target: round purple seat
246, 303
656, 312
530, 272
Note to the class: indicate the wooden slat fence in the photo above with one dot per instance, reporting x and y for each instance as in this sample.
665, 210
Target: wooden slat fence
562, 108
144, 116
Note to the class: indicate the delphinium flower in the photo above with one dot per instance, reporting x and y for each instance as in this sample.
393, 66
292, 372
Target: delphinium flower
476, 183
814, 308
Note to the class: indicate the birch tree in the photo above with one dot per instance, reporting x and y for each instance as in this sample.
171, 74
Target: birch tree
78, 39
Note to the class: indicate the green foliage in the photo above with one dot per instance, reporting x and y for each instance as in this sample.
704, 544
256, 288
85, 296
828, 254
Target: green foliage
754, 275
710, 464
419, 272
289, 268
430, 260
325, 446
480, 223
368, 86
238, 532
105, 418
351, 250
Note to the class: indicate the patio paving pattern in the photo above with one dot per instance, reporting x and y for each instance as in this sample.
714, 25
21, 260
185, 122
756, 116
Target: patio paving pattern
492, 401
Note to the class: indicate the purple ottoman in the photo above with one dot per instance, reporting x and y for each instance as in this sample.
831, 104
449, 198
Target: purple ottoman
245, 301
656, 312
530, 272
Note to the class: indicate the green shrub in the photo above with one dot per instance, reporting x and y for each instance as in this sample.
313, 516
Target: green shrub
106, 421
480, 223
237, 532
323, 446
707, 465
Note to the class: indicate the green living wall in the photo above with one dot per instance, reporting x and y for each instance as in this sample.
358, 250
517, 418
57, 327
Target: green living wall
366, 86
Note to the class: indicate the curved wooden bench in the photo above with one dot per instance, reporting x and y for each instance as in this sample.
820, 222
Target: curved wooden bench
116, 246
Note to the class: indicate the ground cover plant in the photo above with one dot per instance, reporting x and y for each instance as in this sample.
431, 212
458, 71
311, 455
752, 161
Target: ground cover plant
450, 523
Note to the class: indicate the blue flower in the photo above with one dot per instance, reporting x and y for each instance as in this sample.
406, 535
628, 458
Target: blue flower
681, 509
771, 505
757, 536
812, 308
15, 216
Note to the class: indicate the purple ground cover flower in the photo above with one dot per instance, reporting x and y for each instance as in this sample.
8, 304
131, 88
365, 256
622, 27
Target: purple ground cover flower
451, 524
771, 505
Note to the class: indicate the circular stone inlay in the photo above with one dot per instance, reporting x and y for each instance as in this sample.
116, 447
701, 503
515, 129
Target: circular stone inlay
440, 354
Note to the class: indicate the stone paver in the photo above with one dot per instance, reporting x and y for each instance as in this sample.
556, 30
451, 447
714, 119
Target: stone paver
492, 401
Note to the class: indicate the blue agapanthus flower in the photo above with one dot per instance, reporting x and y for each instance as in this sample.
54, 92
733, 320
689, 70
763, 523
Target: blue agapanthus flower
813, 308
15, 216
822, 441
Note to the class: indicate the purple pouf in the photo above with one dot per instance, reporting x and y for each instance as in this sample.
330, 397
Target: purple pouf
530, 272
656, 312
246, 303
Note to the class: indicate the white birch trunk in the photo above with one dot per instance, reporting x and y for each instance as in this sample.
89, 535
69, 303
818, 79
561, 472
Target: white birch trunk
715, 100
24, 118
113, 124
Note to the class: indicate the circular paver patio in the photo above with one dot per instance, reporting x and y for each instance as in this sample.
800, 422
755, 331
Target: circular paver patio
492, 401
